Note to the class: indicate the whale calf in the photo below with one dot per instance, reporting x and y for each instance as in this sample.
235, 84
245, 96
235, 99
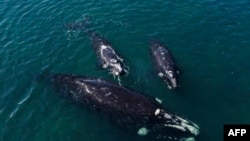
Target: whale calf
164, 64
142, 114
107, 56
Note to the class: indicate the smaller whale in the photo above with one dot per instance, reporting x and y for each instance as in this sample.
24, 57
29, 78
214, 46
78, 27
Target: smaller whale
137, 112
164, 64
108, 57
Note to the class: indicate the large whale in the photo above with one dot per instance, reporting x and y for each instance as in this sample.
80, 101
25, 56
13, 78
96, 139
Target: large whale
164, 64
142, 114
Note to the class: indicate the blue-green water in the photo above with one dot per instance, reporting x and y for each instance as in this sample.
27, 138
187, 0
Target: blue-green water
210, 40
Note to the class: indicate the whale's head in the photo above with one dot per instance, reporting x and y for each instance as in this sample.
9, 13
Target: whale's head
111, 60
170, 77
116, 67
173, 126
170, 126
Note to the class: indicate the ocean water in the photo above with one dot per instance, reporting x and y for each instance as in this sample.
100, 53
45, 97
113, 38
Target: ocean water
209, 39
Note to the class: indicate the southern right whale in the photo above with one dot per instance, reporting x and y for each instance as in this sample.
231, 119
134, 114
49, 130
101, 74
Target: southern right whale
142, 114
164, 64
107, 56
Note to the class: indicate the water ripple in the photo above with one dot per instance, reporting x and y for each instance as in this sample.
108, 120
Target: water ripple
27, 96
208, 35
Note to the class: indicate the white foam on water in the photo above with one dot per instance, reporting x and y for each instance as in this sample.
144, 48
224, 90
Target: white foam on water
142, 131
27, 96
189, 139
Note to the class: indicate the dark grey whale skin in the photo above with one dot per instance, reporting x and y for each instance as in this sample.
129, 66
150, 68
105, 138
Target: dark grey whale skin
164, 62
124, 106
108, 57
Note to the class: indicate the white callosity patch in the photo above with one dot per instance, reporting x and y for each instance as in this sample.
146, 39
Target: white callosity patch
183, 125
176, 127
103, 47
113, 63
192, 127
160, 74
193, 130
104, 66
158, 100
187, 122
142, 131
170, 73
173, 80
167, 116
119, 58
116, 68
157, 112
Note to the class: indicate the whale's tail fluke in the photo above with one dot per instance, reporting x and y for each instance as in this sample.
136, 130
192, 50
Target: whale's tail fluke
44, 76
79, 25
